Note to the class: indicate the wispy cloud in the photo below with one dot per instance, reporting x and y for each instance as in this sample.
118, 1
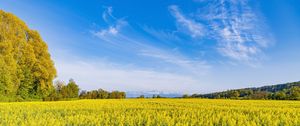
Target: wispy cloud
187, 25
162, 35
114, 25
196, 67
109, 31
142, 47
241, 33
107, 15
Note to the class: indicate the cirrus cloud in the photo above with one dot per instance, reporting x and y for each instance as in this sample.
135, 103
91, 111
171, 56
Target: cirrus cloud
241, 33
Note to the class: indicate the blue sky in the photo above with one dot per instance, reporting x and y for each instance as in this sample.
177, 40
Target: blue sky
195, 46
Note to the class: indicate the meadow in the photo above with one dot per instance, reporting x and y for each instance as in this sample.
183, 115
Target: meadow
151, 112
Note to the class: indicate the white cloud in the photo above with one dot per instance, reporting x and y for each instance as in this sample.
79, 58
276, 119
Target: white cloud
184, 75
241, 33
194, 67
189, 26
109, 31
162, 35
107, 14
104, 74
114, 25
140, 46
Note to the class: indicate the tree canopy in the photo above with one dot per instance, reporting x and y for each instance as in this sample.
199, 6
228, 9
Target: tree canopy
102, 94
26, 68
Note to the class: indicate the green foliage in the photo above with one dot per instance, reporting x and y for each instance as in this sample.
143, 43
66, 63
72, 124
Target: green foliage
295, 93
71, 90
117, 95
157, 96
234, 94
280, 95
141, 96
26, 69
259, 95
63, 91
289, 91
185, 96
102, 94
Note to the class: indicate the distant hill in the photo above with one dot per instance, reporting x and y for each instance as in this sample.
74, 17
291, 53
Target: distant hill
288, 91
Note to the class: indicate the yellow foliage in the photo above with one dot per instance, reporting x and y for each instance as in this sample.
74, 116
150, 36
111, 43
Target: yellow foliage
25, 58
152, 112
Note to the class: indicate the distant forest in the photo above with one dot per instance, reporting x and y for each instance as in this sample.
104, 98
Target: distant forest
288, 91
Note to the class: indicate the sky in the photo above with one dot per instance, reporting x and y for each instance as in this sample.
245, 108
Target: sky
190, 46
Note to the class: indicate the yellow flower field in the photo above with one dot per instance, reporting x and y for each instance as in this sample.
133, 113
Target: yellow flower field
152, 112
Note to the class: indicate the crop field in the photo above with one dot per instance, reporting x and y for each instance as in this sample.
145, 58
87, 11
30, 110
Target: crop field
151, 112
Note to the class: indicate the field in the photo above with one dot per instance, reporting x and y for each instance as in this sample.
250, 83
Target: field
154, 112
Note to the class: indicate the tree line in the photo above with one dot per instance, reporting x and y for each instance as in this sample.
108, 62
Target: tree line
71, 91
289, 91
102, 94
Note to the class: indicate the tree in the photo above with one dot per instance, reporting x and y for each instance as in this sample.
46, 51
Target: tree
218, 96
59, 85
245, 92
5, 78
153, 96
102, 94
83, 94
259, 95
280, 95
74, 88
234, 94
43, 70
141, 96
26, 67
185, 96
158, 96
71, 90
117, 95
295, 93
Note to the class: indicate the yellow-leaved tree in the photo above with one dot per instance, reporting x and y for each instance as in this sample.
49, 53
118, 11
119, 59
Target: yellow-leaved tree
26, 68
